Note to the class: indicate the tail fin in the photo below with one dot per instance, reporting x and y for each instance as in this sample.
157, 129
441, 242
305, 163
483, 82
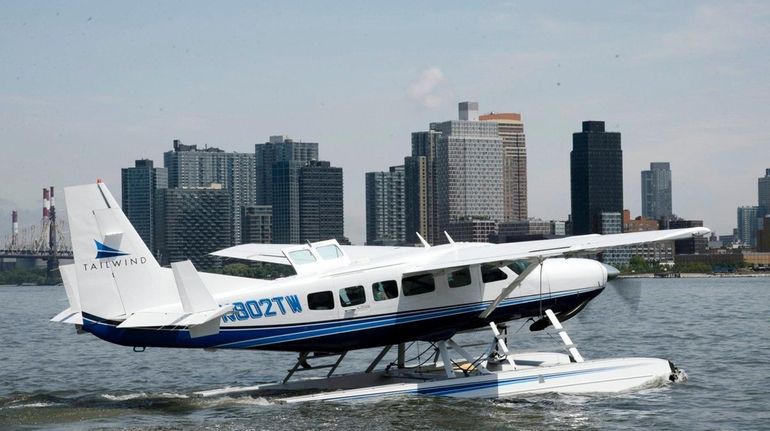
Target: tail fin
116, 275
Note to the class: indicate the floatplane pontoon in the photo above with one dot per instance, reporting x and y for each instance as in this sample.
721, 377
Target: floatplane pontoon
345, 298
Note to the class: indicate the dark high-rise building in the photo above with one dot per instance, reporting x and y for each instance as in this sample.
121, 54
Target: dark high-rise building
763, 193
191, 223
656, 191
420, 206
278, 149
190, 167
138, 186
285, 201
385, 207
307, 202
257, 224
596, 176
321, 209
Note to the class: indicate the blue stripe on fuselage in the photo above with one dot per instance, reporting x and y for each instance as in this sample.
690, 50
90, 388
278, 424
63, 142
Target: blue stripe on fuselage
306, 335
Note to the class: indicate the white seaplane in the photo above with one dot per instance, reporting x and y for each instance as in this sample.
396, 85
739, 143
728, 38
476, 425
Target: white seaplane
344, 298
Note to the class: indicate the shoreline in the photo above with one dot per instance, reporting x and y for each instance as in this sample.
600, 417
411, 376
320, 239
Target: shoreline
698, 275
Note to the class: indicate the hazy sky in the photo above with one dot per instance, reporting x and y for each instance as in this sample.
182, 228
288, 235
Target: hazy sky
88, 87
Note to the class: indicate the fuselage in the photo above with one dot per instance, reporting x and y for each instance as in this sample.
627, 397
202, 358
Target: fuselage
370, 308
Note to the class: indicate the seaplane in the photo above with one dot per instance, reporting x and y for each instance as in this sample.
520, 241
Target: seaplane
343, 298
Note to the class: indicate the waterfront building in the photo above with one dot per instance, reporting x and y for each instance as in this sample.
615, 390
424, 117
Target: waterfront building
510, 128
138, 186
471, 229
279, 148
656, 191
420, 189
523, 230
763, 235
763, 193
191, 167
385, 207
639, 224
696, 245
285, 184
321, 206
469, 169
191, 223
257, 224
596, 177
748, 224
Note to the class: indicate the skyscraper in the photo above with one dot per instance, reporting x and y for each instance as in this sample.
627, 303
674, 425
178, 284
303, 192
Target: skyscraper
285, 201
191, 223
190, 167
321, 205
385, 207
656, 191
278, 149
138, 186
748, 224
511, 131
469, 169
763, 186
307, 202
420, 206
596, 177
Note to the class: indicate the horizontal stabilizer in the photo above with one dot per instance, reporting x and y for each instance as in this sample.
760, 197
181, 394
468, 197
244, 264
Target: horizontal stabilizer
69, 316
153, 319
200, 312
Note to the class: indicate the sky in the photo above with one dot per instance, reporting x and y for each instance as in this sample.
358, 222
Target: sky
88, 87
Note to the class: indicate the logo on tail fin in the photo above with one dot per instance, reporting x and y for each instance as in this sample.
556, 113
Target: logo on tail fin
104, 251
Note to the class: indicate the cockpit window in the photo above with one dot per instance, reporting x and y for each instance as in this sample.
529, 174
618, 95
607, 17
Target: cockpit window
519, 266
491, 273
328, 252
301, 257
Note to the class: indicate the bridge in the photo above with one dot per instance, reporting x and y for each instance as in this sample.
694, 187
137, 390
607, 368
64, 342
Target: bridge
47, 240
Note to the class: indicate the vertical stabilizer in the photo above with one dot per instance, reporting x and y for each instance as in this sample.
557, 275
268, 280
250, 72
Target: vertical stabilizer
116, 274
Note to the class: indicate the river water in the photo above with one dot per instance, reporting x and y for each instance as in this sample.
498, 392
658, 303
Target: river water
715, 329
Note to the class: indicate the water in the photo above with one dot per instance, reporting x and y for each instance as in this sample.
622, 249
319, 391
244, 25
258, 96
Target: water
716, 329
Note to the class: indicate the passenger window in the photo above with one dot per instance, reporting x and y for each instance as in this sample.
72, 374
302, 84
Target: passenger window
418, 284
320, 301
301, 257
491, 273
459, 278
383, 290
519, 266
328, 252
351, 296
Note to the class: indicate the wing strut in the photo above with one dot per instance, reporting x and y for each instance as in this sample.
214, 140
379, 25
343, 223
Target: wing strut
514, 284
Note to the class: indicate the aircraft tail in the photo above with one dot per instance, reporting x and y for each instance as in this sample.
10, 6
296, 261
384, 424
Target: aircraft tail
115, 273
116, 277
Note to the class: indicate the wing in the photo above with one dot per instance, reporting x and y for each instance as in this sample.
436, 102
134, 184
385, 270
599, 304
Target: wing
503, 254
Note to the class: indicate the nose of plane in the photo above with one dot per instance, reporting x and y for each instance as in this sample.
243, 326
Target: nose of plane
612, 272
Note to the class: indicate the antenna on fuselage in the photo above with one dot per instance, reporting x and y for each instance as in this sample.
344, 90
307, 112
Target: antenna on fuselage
422, 240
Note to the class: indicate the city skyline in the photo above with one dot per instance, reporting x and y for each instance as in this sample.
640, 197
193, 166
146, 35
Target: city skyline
75, 110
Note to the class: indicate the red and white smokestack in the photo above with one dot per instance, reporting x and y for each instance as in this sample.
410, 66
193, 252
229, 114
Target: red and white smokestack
46, 203
15, 227
51, 200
